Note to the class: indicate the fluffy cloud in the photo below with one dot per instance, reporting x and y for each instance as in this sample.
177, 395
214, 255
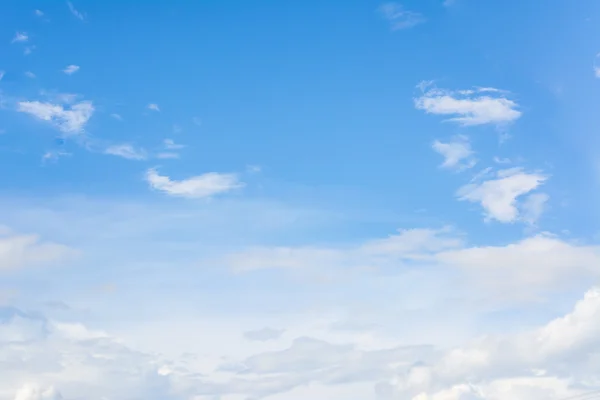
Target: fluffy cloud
17, 251
399, 17
552, 360
557, 359
71, 69
201, 186
43, 358
153, 107
67, 118
478, 106
457, 153
126, 151
499, 196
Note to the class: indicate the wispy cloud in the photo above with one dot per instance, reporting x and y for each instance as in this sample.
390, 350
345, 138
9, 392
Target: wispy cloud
77, 14
39, 13
171, 145
54, 155
126, 151
499, 196
17, 251
71, 69
477, 106
20, 37
153, 107
29, 74
457, 153
597, 66
116, 116
533, 207
253, 169
28, 50
500, 160
399, 17
167, 155
69, 119
201, 186
1, 74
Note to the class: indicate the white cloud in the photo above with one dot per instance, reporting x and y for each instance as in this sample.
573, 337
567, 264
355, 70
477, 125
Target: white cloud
596, 66
524, 269
54, 155
59, 359
126, 151
457, 153
201, 186
477, 106
499, 160
171, 145
39, 13
311, 360
20, 37
79, 15
399, 17
517, 272
70, 357
71, 69
499, 196
70, 119
533, 207
29, 74
28, 50
34, 392
494, 367
153, 107
116, 116
405, 246
18, 251
1, 74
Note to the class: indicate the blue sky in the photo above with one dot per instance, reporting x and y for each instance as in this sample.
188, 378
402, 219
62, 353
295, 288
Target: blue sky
290, 200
